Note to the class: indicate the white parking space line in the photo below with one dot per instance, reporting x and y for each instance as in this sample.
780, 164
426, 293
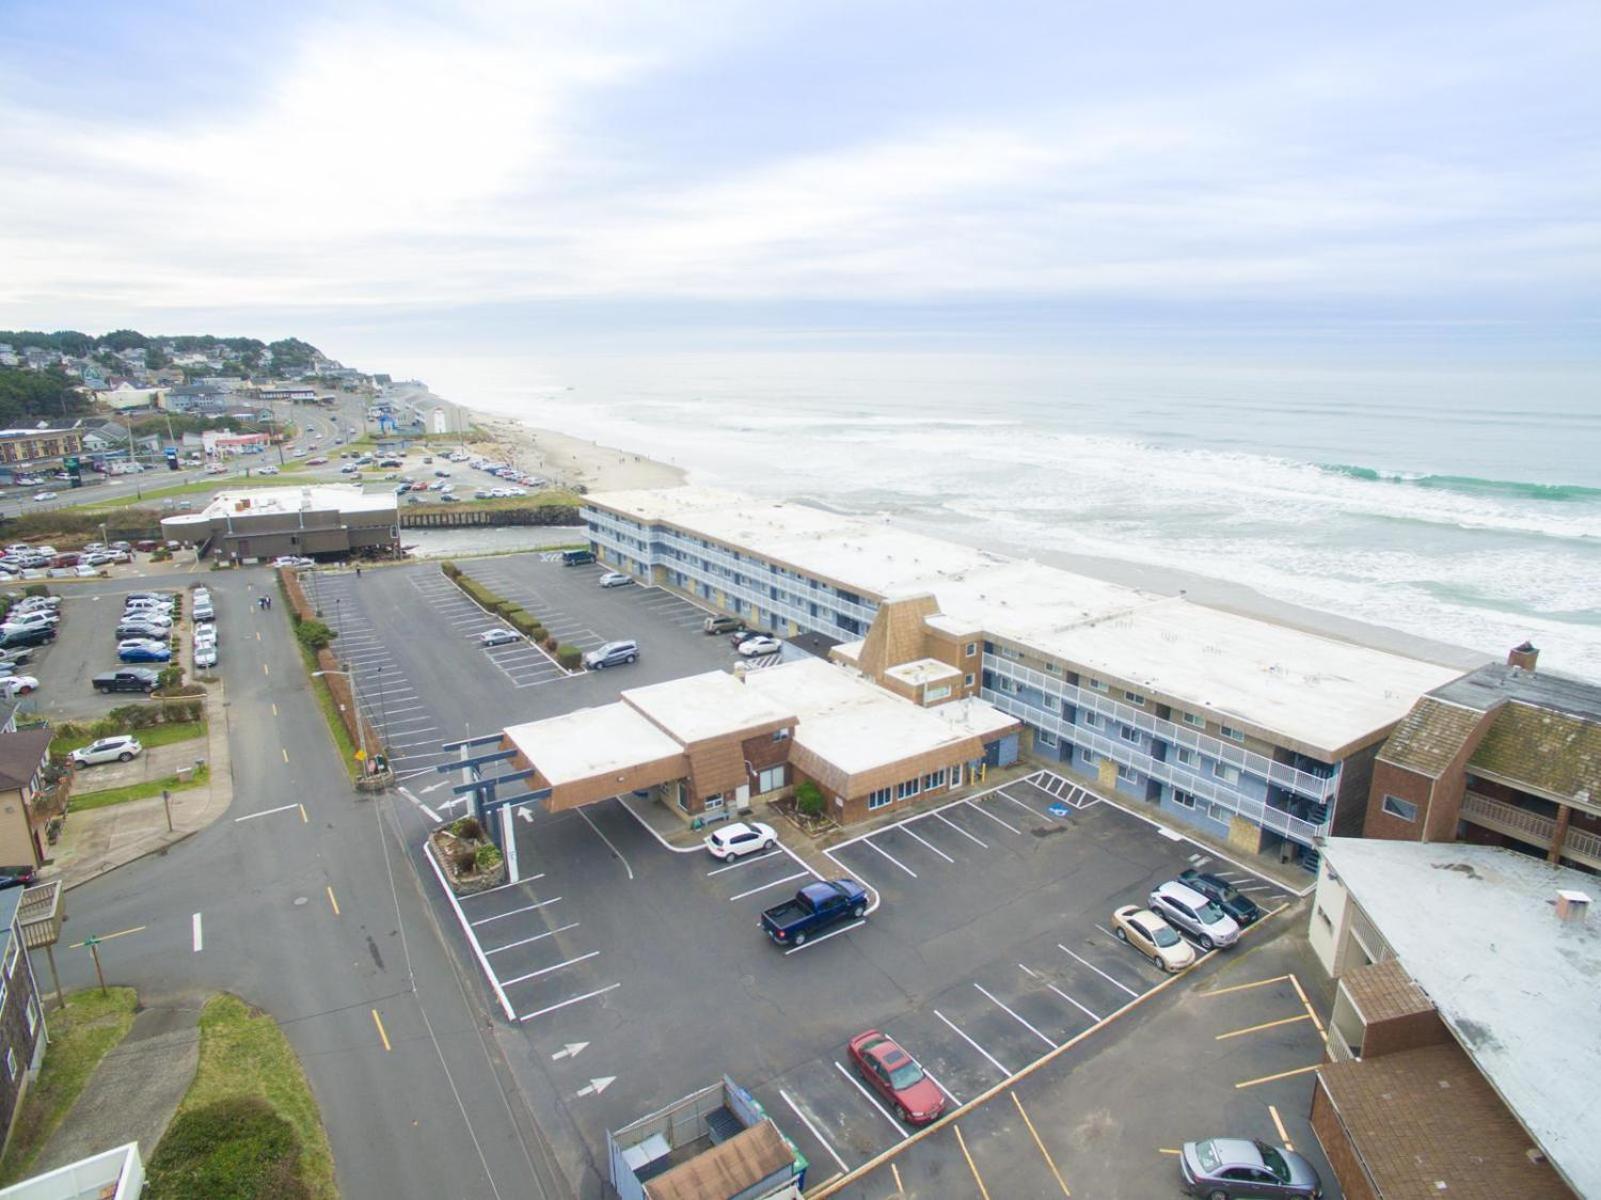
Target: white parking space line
199, 941
1029, 808
514, 912
990, 996
572, 1000
745, 862
993, 817
872, 845
1256, 887
1096, 969
537, 937
775, 883
954, 1028
1094, 1016
907, 830
816, 1133
943, 818
819, 940
900, 1133
548, 970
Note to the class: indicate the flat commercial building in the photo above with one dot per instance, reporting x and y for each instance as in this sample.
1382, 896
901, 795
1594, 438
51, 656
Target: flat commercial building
264, 523
19, 446
1463, 1043
1249, 730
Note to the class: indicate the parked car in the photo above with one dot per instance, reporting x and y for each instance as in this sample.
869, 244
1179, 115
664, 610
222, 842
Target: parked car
499, 637
722, 625
896, 1076
12, 686
814, 908
205, 654
11, 877
293, 560
612, 654
128, 630
744, 635
613, 579
17, 657
205, 635
26, 637
204, 612
1193, 913
740, 839
1225, 895
42, 496
130, 679
752, 647
122, 748
143, 650
1245, 1169
1152, 937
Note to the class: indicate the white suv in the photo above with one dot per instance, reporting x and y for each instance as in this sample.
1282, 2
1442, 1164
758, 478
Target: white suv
111, 749
740, 839
1192, 912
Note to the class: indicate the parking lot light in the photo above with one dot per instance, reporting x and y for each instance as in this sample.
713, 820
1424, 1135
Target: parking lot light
361, 723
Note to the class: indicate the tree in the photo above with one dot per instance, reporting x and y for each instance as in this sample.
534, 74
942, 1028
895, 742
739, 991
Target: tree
47, 395
809, 798
314, 635
123, 339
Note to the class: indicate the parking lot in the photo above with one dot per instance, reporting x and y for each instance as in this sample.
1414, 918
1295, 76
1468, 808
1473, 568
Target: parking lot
634, 972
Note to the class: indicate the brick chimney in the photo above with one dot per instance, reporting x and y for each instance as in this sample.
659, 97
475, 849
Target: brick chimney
1524, 656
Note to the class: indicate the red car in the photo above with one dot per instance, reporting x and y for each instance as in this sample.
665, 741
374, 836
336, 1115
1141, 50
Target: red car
420, 486
895, 1075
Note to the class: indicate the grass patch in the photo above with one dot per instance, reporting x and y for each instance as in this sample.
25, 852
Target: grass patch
106, 797
329, 708
164, 734
82, 1031
248, 1128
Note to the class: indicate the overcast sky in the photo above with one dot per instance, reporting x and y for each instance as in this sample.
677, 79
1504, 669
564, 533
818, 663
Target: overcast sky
1356, 174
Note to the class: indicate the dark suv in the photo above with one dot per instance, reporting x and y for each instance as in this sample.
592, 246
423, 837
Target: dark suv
27, 637
1225, 895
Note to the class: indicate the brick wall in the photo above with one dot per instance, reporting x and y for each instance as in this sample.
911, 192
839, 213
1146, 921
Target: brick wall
1403, 1033
1337, 1148
1414, 788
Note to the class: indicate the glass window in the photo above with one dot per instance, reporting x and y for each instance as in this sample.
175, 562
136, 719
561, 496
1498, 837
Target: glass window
935, 779
1398, 807
1044, 737
1195, 719
771, 779
1235, 734
1004, 684
1097, 685
879, 798
967, 681
1093, 720
1052, 669
1134, 698
1183, 799
11, 1063
970, 649
1090, 757
1226, 773
906, 789
780, 734
1128, 733
33, 1016
1127, 773
1184, 755
714, 802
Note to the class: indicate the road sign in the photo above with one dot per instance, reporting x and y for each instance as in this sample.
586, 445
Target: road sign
361, 756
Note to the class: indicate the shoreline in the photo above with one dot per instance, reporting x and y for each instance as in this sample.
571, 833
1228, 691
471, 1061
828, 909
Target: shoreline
580, 462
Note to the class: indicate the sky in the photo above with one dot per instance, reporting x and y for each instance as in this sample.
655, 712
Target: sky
1361, 182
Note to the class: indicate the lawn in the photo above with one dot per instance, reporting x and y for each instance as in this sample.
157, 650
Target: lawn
82, 1032
244, 1058
149, 736
106, 797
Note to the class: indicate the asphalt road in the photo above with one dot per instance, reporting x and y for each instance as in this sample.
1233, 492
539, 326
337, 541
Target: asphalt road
300, 900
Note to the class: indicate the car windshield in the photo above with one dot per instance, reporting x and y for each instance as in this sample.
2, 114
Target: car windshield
1208, 1155
1274, 1161
906, 1075
1209, 913
1163, 935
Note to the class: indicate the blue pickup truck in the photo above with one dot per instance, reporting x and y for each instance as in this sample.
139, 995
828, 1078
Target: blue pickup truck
814, 908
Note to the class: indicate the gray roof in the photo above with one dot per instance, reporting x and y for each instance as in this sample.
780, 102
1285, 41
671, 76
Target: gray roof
1488, 686
1475, 927
20, 756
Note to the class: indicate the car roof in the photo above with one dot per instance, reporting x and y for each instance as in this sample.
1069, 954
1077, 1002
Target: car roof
1182, 891
1237, 1152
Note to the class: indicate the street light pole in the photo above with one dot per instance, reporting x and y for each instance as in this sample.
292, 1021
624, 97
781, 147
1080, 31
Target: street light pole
383, 715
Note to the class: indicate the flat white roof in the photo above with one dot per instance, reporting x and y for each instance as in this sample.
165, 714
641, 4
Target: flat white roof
591, 741
1476, 927
972, 717
924, 670
698, 707
288, 499
847, 721
1318, 691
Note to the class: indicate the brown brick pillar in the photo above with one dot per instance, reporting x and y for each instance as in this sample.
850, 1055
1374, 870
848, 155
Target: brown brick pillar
1560, 834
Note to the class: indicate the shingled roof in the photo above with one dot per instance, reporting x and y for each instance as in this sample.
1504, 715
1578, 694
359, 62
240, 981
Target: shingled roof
1553, 753
1430, 736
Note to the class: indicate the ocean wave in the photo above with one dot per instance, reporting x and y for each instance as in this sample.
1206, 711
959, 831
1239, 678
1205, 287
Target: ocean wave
1470, 485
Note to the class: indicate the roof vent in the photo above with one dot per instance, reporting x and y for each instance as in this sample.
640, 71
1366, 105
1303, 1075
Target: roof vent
1573, 908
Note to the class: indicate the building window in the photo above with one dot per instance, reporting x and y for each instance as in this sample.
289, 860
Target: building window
1002, 683
931, 695
967, 681
1090, 757
1195, 719
12, 954
1184, 756
1230, 732
878, 799
1127, 773
33, 1016
935, 779
1226, 773
970, 649
1218, 813
907, 789
770, 780
1097, 685
1134, 698
1398, 807
1044, 737
1052, 669
1182, 799
1093, 720
780, 735
1128, 733
713, 802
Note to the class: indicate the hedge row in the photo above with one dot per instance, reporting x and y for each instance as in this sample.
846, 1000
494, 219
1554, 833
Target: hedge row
511, 612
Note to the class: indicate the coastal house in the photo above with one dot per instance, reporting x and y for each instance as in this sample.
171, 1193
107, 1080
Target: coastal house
1257, 733
1507, 755
24, 756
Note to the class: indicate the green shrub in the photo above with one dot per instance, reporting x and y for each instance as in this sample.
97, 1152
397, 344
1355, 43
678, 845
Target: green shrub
233, 1149
549, 642
809, 798
451, 569
467, 828
486, 858
36, 589
171, 676
569, 656
314, 635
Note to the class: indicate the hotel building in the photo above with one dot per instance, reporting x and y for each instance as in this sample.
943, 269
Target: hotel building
1254, 732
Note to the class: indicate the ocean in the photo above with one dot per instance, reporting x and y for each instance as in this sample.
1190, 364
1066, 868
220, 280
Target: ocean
1459, 506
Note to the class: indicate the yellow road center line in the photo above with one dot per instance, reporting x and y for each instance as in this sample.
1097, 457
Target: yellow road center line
258, 635
331, 899
1309, 1010
304, 819
1240, 987
1165, 1150
265, 670
1279, 1125
285, 752
1264, 1025
896, 1171
275, 710
379, 1021
971, 1165
1049, 1162
1281, 1075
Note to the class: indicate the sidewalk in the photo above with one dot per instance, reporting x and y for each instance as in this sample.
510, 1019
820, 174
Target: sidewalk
103, 839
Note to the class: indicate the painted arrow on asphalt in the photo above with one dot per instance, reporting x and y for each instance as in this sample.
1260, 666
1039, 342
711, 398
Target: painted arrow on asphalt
526, 815
597, 1086
447, 805
433, 787
571, 1050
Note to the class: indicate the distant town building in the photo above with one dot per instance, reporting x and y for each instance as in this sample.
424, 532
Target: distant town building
287, 392
35, 445
198, 398
263, 523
